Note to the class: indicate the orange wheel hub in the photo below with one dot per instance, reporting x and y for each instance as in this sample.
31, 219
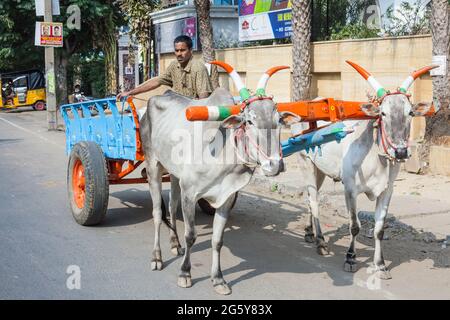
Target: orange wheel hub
78, 184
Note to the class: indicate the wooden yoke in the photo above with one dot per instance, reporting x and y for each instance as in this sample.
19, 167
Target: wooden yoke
326, 109
329, 109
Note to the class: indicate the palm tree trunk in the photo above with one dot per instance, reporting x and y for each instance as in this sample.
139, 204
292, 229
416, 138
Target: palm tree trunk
301, 45
441, 46
206, 37
438, 126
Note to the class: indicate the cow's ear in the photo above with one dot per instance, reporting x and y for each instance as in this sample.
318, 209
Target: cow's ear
288, 118
232, 122
372, 110
421, 108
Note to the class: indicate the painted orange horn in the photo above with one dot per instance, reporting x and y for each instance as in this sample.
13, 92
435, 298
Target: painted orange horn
409, 81
261, 88
372, 81
243, 91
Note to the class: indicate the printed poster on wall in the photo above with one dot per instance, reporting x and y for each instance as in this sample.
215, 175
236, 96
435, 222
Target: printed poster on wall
49, 34
166, 32
264, 19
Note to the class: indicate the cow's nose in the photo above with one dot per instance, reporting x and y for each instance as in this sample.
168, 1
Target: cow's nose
401, 153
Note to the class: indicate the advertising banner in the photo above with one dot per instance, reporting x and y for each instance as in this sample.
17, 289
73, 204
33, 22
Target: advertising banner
166, 32
264, 19
270, 25
49, 34
247, 7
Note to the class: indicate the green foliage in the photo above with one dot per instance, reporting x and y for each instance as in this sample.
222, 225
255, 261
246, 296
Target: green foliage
137, 16
354, 31
17, 49
409, 19
99, 19
341, 19
91, 73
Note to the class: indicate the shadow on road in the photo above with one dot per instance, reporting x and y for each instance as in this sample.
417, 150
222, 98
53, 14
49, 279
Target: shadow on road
261, 236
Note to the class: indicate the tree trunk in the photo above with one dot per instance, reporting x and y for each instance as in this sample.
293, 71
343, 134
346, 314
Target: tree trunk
110, 51
206, 37
61, 63
441, 46
439, 125
301, 45
145, 64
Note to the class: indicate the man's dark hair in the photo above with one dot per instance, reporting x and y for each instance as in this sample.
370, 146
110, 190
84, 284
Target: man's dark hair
185, 39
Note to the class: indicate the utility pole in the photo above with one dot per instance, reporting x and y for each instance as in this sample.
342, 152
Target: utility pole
50, 74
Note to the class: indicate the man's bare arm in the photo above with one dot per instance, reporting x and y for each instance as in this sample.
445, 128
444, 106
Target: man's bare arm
144, 87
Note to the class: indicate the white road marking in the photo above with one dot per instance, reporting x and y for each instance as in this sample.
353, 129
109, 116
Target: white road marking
35, 134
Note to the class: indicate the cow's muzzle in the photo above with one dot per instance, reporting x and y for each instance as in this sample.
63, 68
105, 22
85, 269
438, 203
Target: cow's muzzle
401, 153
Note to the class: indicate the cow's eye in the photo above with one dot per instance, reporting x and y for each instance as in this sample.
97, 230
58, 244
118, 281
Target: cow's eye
383, 114
411, 113
250, 122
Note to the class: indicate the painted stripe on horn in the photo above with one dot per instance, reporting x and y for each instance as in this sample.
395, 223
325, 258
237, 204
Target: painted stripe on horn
197, 113
237, 80
213, 113
407, 83
244, 93
224, 112
224, 65
376, 86
263, 81
422, 71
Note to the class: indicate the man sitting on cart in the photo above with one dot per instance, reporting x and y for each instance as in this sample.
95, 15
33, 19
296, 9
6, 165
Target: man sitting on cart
185, 76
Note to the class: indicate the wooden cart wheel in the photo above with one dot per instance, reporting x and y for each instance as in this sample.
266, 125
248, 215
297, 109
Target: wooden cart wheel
206, 207
87, 183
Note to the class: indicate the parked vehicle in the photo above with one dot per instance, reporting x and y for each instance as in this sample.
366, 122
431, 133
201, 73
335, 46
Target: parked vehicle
28, 88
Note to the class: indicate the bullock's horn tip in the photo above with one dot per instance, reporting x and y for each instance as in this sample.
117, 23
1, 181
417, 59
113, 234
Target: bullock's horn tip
349, 62
224, 65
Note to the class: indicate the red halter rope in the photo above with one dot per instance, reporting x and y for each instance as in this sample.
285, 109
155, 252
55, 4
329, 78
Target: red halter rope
384, 137
240, 133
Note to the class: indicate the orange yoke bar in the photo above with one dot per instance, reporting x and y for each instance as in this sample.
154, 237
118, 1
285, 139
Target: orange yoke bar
330, 110
327, 110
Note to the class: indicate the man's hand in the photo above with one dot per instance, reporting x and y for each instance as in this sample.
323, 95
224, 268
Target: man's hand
123, 95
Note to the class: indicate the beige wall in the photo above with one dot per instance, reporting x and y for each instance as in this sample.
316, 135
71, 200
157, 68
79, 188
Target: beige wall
390, 60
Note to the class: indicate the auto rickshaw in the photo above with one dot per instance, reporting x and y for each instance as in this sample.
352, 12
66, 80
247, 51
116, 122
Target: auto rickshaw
28, 88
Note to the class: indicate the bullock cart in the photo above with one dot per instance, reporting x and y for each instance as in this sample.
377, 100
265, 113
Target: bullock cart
104, 144
104, 147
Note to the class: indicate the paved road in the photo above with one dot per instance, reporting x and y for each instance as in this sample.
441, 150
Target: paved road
261, 258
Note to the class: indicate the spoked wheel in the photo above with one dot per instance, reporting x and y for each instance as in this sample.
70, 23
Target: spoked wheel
206, 207
87, 183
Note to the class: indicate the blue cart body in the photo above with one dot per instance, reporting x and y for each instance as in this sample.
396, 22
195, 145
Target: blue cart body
90, 120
